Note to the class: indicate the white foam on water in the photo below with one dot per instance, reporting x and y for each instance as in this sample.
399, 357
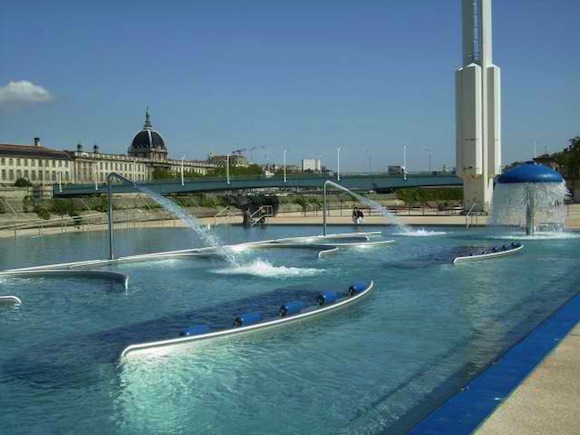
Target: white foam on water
421, 233
555, 235
265, 269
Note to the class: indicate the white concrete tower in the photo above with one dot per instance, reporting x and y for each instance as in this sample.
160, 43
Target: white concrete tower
478, 108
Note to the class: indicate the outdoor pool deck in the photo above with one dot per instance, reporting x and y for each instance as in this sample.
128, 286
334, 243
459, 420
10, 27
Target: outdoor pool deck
531, 389
290, 218
547, 401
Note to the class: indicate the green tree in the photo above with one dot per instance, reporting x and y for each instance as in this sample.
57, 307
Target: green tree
22, 182
27, 204
569, 159
239, 171
302, 202
162, 174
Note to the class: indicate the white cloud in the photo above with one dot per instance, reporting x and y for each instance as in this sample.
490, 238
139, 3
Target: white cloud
24, 92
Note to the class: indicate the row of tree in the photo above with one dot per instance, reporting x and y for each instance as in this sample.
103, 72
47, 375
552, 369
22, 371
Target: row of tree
569, 159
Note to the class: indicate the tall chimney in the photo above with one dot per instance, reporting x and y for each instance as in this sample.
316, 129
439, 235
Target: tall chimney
36, 141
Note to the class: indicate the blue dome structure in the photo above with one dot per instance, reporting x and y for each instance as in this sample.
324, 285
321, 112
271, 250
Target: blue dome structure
530, 172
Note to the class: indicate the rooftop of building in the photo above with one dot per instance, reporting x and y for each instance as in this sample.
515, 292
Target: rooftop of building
32, 151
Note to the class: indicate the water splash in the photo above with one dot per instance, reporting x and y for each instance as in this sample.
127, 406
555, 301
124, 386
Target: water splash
510, 202
265, 269
375, 206
537, 236
420, 233
205, 234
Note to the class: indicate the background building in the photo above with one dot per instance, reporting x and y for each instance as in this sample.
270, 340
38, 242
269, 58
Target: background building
35, 163
41, 165
235, 159
311, 165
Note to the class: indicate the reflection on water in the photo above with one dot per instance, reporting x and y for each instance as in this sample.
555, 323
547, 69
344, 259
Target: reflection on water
377, 366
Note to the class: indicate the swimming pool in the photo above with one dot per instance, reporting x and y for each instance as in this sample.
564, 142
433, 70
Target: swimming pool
382, 364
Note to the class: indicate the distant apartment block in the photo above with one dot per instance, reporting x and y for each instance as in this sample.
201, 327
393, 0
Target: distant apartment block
311, 165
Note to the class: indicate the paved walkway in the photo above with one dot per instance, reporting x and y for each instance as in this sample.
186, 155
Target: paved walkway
548, 401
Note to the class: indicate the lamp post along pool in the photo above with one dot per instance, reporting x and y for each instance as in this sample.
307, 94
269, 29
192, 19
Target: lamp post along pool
285, 151
228, 168
338, 163
405, 162
95, 175
182, 179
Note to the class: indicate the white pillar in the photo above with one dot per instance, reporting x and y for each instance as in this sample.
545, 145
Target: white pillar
478, 107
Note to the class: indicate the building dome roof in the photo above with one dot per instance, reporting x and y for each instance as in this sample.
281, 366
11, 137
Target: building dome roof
147, 138
530, 172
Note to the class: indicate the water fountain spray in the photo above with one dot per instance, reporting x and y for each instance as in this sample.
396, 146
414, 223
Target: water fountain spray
527, 193
383, 210
208, 237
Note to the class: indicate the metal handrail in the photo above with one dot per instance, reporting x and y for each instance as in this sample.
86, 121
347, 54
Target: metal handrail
228, 213
34, 223
265, 211
470, 214
5, 201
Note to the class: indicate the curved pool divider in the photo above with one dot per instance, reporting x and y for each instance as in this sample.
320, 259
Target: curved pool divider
363, 236
328, 301
212, 251
363, 244
121, 278
512, 249
323, 249
10, 300
327, 252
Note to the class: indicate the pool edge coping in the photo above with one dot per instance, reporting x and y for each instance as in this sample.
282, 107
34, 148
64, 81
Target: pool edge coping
482, 396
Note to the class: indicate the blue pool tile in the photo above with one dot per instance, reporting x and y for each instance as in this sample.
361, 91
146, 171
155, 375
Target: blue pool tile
463, 412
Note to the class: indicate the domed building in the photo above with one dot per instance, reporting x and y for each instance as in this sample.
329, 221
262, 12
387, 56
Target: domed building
148, 143
147, 160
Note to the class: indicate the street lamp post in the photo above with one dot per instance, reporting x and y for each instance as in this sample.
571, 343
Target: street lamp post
338, 163
182, 180
60, 181
370, 164
430, 157
405, 162
228, 168
285, 151
95, 175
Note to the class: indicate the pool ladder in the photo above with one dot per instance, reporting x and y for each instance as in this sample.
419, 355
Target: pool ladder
260, 215
472, 217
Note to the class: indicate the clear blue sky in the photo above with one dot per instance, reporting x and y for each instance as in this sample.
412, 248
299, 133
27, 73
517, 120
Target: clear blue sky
308, 75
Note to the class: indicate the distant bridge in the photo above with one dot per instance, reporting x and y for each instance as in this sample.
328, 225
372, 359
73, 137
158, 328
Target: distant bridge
192, 185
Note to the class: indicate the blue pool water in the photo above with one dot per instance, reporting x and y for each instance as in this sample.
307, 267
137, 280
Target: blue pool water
380, 365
